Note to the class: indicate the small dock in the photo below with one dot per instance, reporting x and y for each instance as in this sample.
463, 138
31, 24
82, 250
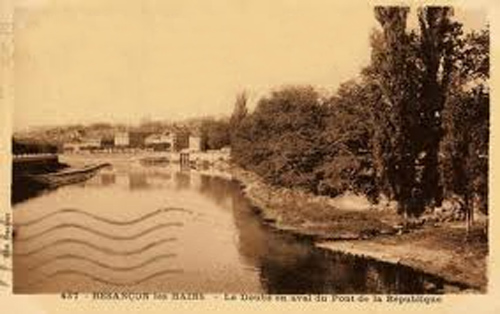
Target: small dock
29, 158
35, 163
34, 173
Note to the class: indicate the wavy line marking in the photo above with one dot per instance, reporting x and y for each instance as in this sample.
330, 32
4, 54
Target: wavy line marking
3, 284
96, 247
101, 264
100, 218
100, 233
102, 280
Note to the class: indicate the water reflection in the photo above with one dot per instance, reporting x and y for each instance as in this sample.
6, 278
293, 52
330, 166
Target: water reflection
107, 179
183, 180
288, 265
203, 224
221, 191
138, 181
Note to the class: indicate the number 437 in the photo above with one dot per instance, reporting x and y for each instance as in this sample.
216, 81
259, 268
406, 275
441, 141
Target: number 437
69, 295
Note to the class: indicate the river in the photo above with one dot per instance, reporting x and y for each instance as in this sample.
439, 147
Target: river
136, 227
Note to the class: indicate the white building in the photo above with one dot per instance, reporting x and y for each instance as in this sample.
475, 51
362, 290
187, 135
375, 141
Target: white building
71, 147
83, 145
92, 142
194, 143
122, 139
159, 139
160, 142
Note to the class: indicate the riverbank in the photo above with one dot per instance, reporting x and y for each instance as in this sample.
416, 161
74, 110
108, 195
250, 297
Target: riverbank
350, 224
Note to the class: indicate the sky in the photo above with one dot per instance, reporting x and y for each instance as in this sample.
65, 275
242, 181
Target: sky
83, 61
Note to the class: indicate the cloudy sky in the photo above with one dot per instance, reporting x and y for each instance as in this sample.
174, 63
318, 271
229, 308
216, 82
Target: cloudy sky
80, 61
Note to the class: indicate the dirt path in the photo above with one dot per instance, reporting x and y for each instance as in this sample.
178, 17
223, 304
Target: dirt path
441, 251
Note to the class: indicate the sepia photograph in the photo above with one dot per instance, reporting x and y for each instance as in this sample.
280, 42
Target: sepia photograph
292, 147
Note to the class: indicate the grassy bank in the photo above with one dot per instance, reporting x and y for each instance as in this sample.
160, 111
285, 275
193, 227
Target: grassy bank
350, 224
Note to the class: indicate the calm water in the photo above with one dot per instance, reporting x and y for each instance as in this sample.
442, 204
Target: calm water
157, 228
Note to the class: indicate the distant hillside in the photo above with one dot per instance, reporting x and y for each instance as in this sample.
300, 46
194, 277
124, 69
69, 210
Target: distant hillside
58, 135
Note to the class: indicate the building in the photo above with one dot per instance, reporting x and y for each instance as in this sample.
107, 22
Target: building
137, 139
181, 140
122, 139
87, 144
91, 143
194, 143
108, 142
160, 142
71, 147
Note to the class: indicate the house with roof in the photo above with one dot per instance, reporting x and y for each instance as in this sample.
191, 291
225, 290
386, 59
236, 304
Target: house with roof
160, 141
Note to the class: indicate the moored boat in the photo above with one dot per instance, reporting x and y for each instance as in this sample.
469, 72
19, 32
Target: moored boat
66, 176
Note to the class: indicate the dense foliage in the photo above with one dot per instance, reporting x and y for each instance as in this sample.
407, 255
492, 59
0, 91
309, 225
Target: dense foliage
214, 134
414, 127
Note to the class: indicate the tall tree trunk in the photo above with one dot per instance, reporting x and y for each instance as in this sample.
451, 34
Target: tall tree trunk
469, 209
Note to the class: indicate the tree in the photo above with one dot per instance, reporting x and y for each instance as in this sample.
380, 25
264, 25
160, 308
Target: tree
214, 134
438, 40
346, 143
394, 73
239, 113
280, 139
466, 122
240, 109
414, 72
414, 128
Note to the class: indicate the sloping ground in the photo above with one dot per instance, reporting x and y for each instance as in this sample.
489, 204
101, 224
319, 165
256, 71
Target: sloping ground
345, 218
350, 226
443, 251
